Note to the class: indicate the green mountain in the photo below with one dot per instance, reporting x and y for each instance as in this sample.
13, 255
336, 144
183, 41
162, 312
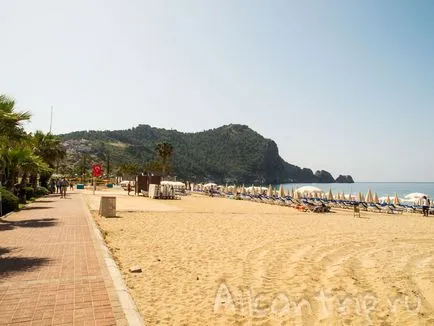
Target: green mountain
231, 153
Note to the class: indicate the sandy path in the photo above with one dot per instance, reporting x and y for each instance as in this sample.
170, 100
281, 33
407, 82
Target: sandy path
280, 266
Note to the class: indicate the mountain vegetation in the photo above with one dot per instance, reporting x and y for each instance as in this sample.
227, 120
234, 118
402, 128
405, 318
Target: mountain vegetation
228, 154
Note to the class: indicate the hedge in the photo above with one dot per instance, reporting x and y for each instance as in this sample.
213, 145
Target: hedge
9, 201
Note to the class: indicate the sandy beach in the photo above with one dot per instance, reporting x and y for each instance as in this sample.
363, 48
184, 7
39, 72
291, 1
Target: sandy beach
216, 261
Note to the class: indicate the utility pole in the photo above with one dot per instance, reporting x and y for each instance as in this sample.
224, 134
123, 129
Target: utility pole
51, 118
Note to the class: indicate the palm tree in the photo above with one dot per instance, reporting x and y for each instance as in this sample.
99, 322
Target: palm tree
49, 148
164, 152
11, 129
12, 136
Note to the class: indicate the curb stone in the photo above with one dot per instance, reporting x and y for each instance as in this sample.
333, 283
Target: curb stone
129, 307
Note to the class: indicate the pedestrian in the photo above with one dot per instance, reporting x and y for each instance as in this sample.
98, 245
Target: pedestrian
52, 186
129, 188
58, 186
64, 187
71, 186
425, 206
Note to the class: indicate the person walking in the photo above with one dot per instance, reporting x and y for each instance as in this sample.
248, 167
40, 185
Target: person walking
63, 188
58, 186
129, 188
425, 206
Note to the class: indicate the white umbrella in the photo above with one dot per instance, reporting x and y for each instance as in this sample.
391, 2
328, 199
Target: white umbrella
415, 195
376, 198
292, 192
269, 191
281, 192
330, 195
388, 199
395, 200
368, 197
308, 189
243, 190
297, 195
360, 197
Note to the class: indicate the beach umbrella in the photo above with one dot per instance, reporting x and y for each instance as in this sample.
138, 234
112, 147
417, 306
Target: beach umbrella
281, 191
288, 192
297, 195
253, 190
343, 196
369, 198
376, 198
269, 191
388, 199
308, 189
360, 197
330, 195
292, 192
243, 190
395, 200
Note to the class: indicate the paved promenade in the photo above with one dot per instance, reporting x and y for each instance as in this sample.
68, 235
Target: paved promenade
52, 269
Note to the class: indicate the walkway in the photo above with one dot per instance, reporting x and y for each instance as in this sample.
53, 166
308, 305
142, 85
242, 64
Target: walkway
52, 270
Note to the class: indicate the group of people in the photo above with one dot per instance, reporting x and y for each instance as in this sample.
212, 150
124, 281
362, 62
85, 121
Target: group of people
61, 186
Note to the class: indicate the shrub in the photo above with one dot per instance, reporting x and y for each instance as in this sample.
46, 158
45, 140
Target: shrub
9, 201
41, 191
30, 192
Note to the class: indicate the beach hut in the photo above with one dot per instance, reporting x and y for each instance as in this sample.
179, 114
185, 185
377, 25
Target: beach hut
330, 195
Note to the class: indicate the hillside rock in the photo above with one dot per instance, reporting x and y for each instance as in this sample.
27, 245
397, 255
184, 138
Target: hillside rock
228, 154
324, 177
344, 179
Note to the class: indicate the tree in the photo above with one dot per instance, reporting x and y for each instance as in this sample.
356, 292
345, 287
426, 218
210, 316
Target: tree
49, 148
164, 153
11, 129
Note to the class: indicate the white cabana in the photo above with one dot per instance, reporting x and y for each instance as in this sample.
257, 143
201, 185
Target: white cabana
174, 184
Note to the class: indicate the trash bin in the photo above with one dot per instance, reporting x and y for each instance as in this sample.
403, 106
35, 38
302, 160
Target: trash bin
109, 185
107, 206
80, 186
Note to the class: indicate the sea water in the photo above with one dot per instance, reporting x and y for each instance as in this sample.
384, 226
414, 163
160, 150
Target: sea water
381, 188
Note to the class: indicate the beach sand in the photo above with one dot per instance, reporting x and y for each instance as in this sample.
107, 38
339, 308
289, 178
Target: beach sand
216, 261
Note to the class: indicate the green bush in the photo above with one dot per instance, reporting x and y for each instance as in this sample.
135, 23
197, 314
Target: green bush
9, 201
30, 192
41, 191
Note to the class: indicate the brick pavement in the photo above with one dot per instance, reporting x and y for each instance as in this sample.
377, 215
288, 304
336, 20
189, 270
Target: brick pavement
52, 271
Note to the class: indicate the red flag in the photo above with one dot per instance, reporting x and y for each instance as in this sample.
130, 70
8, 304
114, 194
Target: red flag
96, 170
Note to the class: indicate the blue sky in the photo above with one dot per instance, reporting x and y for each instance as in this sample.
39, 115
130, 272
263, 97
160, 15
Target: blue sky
345, 86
